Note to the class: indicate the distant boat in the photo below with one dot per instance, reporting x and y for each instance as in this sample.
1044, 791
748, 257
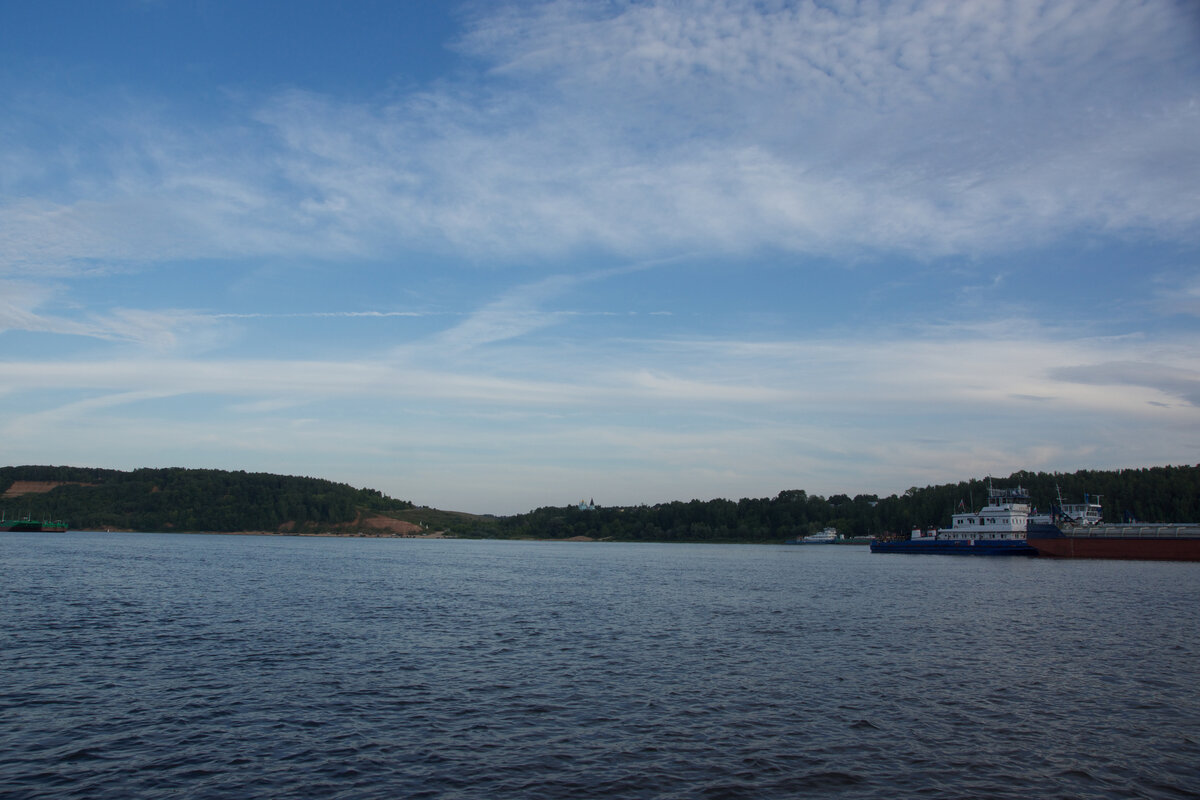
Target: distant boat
33, 525
1076, 530
827, 536
997, 529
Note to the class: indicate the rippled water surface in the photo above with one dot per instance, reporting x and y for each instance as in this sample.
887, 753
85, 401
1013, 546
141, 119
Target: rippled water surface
148, 666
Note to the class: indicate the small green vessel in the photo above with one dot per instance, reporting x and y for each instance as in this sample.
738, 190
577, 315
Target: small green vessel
29, 524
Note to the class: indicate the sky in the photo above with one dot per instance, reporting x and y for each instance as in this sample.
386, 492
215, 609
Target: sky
489, 257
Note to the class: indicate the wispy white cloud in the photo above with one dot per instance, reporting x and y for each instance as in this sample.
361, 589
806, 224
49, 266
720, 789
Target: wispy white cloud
947, 366
21, 304
876, 376
711, 418
648, 129
887, 55
522, 309
321, 314
516, 313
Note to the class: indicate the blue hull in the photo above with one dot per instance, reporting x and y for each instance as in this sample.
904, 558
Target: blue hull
958, 547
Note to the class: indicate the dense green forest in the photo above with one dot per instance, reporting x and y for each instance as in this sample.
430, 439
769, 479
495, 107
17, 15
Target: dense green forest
190, 499
215, 500
1159, 494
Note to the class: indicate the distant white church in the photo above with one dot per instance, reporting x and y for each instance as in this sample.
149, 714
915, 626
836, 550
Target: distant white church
587, 505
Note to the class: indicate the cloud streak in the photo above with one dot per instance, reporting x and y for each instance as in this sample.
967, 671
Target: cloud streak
718, 410
814, 376
909, 127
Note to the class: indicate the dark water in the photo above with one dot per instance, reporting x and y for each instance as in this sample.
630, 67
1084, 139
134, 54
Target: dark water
149, 666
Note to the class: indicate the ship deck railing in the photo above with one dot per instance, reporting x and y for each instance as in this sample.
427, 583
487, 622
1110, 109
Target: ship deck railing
1135, 532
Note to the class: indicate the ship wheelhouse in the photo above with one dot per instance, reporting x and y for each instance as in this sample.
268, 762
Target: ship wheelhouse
1004, 517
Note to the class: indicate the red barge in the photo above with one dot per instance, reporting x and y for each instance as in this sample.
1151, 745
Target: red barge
1075, 531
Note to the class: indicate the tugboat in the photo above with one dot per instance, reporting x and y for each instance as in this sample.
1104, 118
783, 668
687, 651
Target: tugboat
998, 529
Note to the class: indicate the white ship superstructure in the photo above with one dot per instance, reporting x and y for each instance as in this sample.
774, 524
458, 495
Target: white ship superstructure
1004, 517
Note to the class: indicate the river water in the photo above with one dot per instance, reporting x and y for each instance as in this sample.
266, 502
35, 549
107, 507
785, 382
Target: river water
189, 666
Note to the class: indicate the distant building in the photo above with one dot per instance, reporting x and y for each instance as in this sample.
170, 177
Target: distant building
587, 505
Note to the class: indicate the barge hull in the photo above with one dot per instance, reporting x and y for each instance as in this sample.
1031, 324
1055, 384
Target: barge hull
1144, 549
1142, 542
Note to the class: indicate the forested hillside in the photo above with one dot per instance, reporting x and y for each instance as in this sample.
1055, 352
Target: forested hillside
189, 499
1159, 494
214, 500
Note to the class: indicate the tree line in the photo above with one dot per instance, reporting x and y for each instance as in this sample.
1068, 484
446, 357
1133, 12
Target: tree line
177, 499
1156, 494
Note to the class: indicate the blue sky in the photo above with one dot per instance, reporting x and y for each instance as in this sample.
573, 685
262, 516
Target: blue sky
489, 257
